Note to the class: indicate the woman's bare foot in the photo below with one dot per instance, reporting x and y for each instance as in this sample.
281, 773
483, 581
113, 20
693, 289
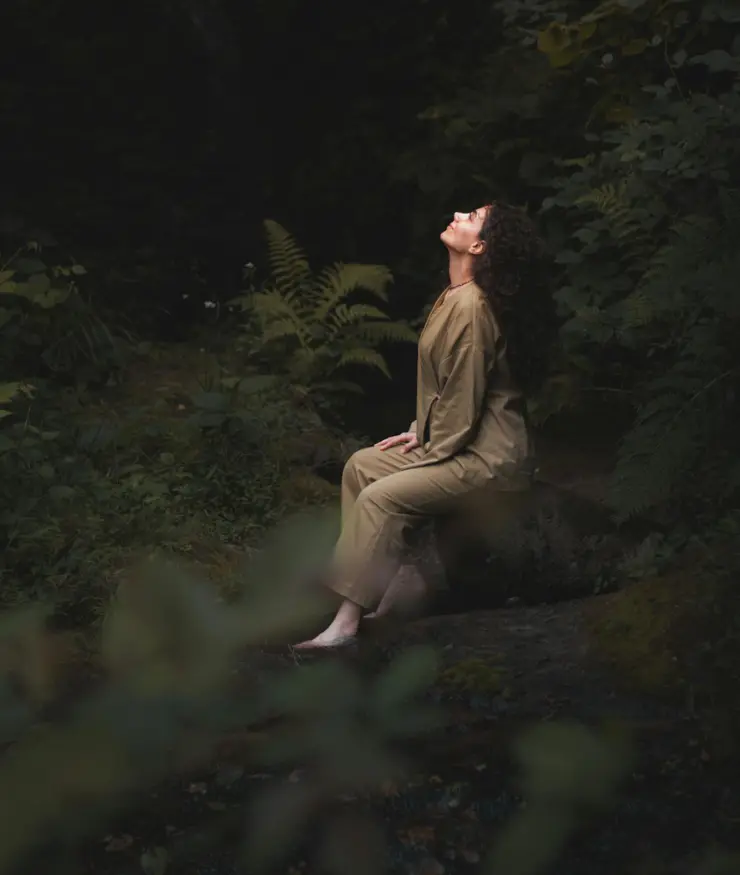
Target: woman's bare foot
341, 631
405, 597
326, 641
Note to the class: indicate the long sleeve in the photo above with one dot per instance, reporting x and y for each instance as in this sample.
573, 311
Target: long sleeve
412, 427
464, 373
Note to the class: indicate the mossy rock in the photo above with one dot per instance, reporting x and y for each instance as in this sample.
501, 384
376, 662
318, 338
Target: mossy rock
544, 544
649, 632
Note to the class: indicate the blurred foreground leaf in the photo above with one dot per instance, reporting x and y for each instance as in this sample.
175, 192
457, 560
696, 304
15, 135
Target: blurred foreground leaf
568, 771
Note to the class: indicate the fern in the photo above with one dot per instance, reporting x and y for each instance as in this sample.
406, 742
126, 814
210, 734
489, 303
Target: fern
673, 429
360, 356
273, 309
309, 325
386, 332
336, 283
288, 262
626, 225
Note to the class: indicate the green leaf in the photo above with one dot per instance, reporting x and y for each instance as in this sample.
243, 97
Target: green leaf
210, 420
554, 38
211, 401
722, 10
62, 493
51, 298
29, 266
155, 861
679, 57
410, 674
5, 275
568, 763
78, 270
319, 688
717, 61
9, 391
635, 47
568, 256
631, 4
257, 383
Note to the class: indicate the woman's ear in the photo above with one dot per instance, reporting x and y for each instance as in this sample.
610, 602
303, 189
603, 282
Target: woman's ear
477, 248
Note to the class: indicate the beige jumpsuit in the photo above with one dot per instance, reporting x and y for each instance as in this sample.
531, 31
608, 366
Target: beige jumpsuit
473, 436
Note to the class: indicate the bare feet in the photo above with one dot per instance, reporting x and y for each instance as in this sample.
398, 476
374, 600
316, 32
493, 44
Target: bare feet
326, 641
342, 631
406, 596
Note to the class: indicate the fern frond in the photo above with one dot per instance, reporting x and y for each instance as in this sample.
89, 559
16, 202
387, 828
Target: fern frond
302, 363
629, 227
316, 313
271, 307
671, 432
363, 356
336, 283
359, 312
288, 262
385, 332
279, 330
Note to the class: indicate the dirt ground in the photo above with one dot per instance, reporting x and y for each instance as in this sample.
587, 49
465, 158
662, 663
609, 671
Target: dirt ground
444, 815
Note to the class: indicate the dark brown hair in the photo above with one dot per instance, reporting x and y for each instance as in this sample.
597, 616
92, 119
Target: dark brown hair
512, 271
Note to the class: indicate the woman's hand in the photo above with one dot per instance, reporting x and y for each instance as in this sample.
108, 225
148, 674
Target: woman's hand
407, 440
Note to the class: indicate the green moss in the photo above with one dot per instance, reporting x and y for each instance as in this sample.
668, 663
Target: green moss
473, 676
646, 632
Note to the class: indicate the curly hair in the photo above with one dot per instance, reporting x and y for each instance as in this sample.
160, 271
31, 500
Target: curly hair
512, 272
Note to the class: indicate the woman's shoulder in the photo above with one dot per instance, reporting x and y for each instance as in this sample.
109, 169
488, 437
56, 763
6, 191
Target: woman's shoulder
472, 301
467, 297
469, 306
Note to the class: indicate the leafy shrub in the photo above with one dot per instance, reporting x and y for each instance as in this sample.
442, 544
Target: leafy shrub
92, 474
49, 328
87, 487
650, 273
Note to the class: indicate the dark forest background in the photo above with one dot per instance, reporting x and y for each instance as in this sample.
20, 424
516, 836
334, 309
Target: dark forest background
219, 236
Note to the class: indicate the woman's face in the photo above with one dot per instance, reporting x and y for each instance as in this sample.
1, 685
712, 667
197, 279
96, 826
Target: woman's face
462, 235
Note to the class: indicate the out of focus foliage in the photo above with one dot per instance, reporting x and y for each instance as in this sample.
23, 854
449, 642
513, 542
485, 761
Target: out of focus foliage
168, 649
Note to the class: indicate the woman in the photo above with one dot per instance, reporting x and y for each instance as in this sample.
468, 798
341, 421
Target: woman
484, 345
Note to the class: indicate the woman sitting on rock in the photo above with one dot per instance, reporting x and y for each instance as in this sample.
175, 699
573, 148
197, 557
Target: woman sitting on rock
483, 348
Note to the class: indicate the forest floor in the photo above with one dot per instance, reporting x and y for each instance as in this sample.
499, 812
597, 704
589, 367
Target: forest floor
676, 803
461, 788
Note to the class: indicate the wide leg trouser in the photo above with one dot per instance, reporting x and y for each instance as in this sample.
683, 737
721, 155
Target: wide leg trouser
380, 503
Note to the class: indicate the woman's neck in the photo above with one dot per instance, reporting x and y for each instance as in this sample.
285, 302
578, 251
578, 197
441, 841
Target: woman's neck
461, 268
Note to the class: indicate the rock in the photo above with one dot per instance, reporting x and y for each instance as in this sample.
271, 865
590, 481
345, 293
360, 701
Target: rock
543, 545
646, 632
